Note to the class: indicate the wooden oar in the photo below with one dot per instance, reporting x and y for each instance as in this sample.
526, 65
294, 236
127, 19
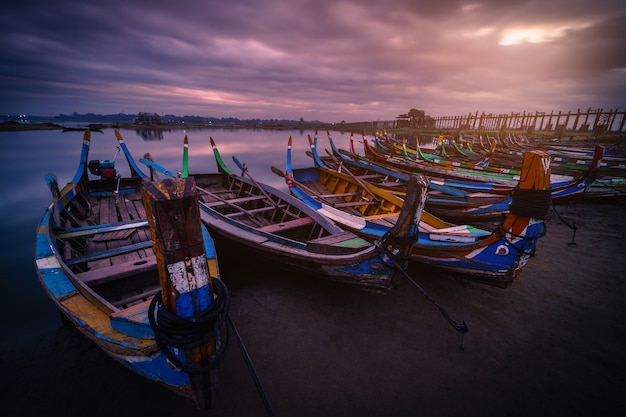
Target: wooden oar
225, 201
318, 161
154, 176
244, 170
354, 177
309, 190
154, 167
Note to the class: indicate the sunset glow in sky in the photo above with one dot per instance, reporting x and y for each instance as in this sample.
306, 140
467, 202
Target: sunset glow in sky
314, 59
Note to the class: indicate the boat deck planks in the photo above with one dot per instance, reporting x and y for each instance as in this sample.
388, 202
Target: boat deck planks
103, 257
334, 199
121, 270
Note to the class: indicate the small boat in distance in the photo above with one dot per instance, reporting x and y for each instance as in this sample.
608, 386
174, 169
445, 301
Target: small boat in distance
155, 304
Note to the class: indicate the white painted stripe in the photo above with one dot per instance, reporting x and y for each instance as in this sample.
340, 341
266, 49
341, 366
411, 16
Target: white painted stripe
342, 217
200, 270
48, 262
186, 278
178, 276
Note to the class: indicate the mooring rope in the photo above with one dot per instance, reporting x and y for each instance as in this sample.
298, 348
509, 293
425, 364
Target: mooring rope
399, 264
503, 234
573, 227
531, 203
172, 330
536, 203
253, 373
175, 331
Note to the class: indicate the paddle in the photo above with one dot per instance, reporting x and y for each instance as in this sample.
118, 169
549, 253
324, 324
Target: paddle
443, 188
147, 161
309, 190
244, 170
354, 177
153, 172
225, 201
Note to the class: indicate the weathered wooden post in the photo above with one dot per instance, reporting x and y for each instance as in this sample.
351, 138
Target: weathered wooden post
529, 206
611, 119
186, 319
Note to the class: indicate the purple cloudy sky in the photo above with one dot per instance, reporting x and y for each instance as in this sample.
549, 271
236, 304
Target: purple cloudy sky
329, 60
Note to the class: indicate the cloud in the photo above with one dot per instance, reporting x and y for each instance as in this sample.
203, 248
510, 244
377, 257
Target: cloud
326, 60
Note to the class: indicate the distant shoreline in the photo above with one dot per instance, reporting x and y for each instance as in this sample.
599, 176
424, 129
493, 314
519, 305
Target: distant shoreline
579, 137
11, 126
16, 127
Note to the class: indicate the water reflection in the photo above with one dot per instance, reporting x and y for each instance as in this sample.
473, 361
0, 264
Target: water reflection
259, 149
28, 155
150, 134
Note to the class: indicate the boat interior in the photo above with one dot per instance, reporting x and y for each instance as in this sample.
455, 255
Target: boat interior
105, 240
248, 204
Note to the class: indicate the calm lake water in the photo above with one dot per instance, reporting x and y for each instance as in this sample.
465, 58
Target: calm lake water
27, 156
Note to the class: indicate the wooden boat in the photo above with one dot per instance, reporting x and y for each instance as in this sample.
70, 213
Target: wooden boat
587, 174
133, 274
495, 258
564, 188
605, 188
448, 203
564, 158
451, 200
443, 167
269, 224
506, 155
464, 157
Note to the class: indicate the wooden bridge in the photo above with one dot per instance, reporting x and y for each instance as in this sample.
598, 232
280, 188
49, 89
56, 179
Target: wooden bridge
595, 121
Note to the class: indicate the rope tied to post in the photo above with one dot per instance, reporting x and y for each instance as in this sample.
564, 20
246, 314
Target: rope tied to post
185, 333
531, 203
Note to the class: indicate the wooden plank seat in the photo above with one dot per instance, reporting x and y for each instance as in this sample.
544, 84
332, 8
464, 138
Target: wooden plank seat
338, 244
121, 270
226, 191
356, 203
216, 204
109, 252
100, 228
388, 184
370, 177
134, 298
340, 195
252, 211
289, 224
